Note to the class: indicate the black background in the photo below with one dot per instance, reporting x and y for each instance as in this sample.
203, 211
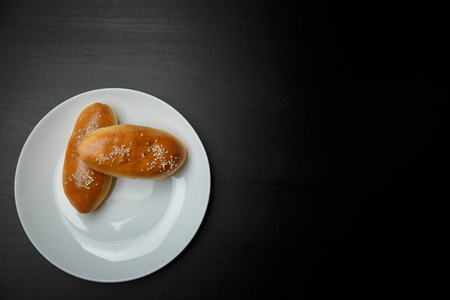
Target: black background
325, 125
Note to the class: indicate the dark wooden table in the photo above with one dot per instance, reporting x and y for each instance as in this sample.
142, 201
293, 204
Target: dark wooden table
322, 123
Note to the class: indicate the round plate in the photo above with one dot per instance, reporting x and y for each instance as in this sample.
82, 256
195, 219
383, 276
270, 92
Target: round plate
141, 226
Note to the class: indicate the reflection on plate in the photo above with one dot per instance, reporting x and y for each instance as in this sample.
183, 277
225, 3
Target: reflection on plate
143, 224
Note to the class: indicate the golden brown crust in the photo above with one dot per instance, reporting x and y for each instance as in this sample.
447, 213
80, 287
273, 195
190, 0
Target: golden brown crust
133, 151
84, 187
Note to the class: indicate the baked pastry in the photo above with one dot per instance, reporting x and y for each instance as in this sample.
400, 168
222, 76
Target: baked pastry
133, 151
86, 188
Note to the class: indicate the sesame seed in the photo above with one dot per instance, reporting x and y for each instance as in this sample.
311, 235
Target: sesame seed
85, 177
142, 134
120, 151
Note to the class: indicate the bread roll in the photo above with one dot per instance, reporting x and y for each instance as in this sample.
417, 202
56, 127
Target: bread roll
133, 151
84, 187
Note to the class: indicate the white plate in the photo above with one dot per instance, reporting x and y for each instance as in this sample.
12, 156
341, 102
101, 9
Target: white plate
142, 226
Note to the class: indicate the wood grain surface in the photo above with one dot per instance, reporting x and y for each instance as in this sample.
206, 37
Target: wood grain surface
321, 124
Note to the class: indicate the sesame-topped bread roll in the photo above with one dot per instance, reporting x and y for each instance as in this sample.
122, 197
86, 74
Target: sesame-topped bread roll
84, 187
133, 151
